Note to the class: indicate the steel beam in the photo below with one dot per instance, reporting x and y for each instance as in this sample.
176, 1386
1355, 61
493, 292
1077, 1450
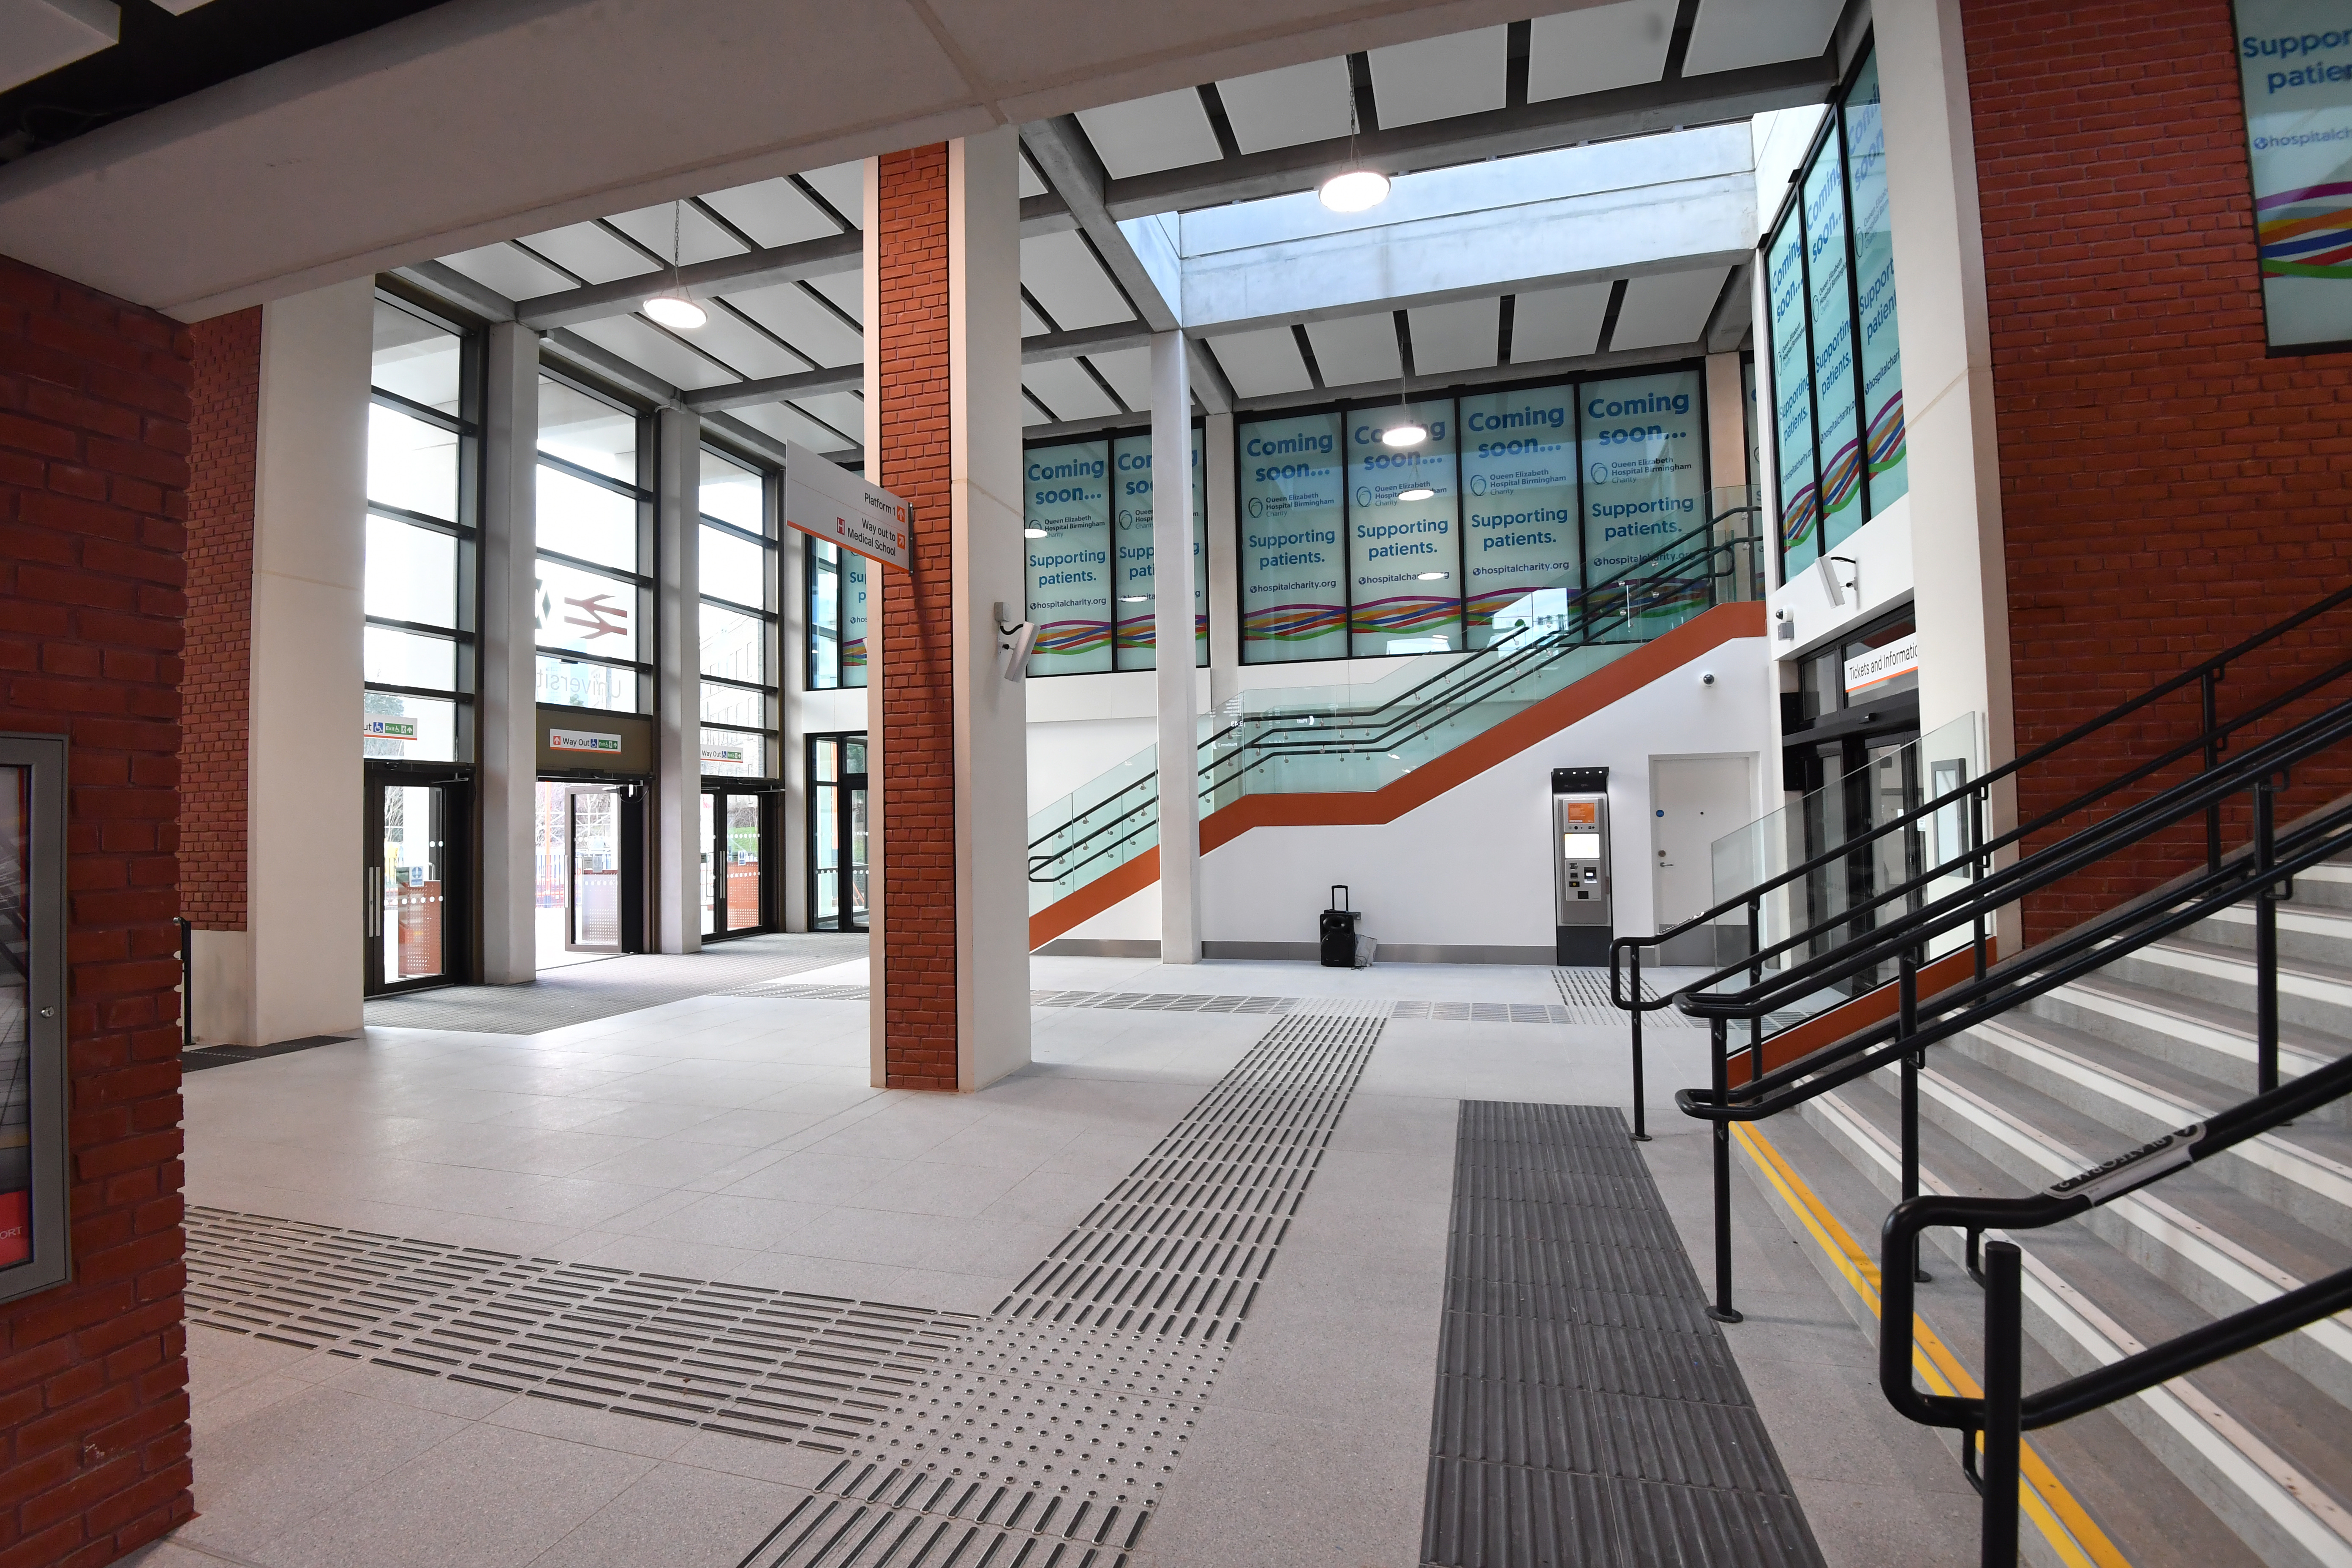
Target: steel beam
777, 388
1066, 159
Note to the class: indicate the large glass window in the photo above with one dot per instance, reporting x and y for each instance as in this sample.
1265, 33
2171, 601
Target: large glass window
1837, 366
1066, 515
1404, 563
737, 554
418, 649
594, 521
1135, 578
1293, 568
836, 590
1518, 467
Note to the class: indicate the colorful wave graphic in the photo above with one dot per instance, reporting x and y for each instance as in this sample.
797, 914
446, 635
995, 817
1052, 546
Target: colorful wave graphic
1842, 478
1886, 436
1404, 613
853, 654
2307, 233
1073, 637
1145, 634
1480, 608
1801, 519
1293, 623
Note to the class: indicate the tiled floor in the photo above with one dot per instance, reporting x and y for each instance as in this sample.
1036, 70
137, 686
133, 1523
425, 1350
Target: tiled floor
734, 1138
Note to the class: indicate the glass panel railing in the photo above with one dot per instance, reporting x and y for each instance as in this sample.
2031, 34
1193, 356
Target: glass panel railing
1893, 780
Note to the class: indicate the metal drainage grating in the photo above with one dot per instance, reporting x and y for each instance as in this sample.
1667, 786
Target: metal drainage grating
1165, 1001
804, 993
1488, 1012
1587, 1410
1045, 1439
1586, 994
815, 1371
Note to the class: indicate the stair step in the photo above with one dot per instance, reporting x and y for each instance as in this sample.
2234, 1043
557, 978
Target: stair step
2304, 1171
2307, 931
2330, 885
2208, 1039
2252, 1436
2314, 996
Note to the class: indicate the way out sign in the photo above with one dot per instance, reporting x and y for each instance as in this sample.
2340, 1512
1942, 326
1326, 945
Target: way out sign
823, 499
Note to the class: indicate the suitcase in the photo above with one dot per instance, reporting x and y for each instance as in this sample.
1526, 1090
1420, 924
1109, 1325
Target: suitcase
1339, 931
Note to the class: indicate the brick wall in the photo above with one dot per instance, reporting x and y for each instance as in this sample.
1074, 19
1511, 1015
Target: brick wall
225, 406
917, 692
93, 480
2166, 489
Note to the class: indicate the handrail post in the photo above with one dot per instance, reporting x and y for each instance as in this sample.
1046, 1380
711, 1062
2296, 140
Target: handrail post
1756, 977
1722, 1311
1640, 1113
2266, 1018
1976, 866
1908, 1025
2206, 681
187, 984
2003, 1437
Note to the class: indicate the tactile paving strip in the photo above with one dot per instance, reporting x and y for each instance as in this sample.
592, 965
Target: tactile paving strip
815, 1371
1045, 1439
1587, 1410
1585, 993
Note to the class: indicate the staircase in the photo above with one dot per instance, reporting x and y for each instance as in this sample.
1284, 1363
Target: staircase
1337, 754
2248, 1460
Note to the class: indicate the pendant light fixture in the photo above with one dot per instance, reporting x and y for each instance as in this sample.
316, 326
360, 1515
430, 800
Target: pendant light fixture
1407, 431
1355, 188
674, 307
1418, 492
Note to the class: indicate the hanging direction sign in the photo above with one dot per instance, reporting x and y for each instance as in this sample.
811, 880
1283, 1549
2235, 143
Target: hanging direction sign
825, 500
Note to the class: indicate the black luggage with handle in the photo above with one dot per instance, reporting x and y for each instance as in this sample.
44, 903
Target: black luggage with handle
1339, 930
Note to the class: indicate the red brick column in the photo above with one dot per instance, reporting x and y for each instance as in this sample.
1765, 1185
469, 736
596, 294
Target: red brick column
222, 427
2166, 487
93, 493
914, 689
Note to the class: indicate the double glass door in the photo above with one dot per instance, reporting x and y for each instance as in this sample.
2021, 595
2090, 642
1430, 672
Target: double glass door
837, 832
593, 852
589, 855
734, 863
415, 899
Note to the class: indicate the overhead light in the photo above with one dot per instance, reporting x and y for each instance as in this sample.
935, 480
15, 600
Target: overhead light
677, 309
1418, 492
1409, 433
674, 307
1032, 533
1428, 576
1354, 190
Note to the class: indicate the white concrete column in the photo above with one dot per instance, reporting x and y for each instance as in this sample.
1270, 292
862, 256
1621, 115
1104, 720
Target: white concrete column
878, 1027
1173, 683
508, 767
1224, 563
304, 891
1727, 425
792, 684
678, 845
991, 750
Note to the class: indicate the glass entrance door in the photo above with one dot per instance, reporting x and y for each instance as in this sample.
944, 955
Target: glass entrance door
415, 896
837, 832
592, 849
734, 862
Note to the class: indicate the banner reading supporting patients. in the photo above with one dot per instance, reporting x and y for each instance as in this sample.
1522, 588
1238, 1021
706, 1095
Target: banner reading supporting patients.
1293, 599
1522, 550
1067, 503
2294, 59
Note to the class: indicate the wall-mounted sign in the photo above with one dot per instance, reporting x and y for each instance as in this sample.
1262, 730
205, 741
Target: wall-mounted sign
583, 741
2294, 64
717, 750
823, 499
1877, 670
33, 1229
389, 729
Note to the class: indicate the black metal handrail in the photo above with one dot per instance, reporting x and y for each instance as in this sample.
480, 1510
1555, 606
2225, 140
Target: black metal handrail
1398, 718
2004, 1413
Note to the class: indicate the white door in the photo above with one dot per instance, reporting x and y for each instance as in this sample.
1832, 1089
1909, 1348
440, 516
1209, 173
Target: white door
1694, 801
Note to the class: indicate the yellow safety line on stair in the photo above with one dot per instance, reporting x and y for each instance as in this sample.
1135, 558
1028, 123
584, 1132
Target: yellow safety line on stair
2077, 1539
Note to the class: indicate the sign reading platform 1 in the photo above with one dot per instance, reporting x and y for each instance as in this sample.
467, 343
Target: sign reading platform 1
823, 499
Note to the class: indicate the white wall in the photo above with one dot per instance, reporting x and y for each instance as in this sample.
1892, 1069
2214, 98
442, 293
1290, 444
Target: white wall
1472, 868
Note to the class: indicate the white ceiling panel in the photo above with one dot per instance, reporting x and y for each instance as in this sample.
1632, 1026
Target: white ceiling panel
1031, 186
1260, 364
1032, 324
511, 272
772, 213
1145, 135
1130, 373
844, 186
698, 238
1355, 349
1439, 77
788, 423
1033, 415
1557, 323
745, 347
1671, 308
644, 345
1459, 336
1596, 50
1285, 108
1730, 34
596, 254
1069, 282
838, 409
801, 321
1064, 386
846, 289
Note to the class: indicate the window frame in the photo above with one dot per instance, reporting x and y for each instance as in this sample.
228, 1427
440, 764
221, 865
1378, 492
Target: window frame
641, 580
1111, 436
770, 689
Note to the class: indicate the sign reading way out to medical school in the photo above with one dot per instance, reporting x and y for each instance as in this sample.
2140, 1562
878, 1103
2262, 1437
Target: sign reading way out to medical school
2294, 61
823, 499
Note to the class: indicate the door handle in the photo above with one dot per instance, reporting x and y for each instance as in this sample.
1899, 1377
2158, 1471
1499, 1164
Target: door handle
373, 892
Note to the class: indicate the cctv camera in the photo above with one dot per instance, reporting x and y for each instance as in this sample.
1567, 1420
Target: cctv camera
1706, 678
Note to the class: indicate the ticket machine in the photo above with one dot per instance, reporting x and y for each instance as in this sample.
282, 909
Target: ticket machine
1579, 860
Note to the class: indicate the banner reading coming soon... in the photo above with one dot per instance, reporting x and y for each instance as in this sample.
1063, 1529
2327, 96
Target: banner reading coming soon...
1404, 568
1067, 495
1644, 485
1521, 549
1294, 603
2294, 59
